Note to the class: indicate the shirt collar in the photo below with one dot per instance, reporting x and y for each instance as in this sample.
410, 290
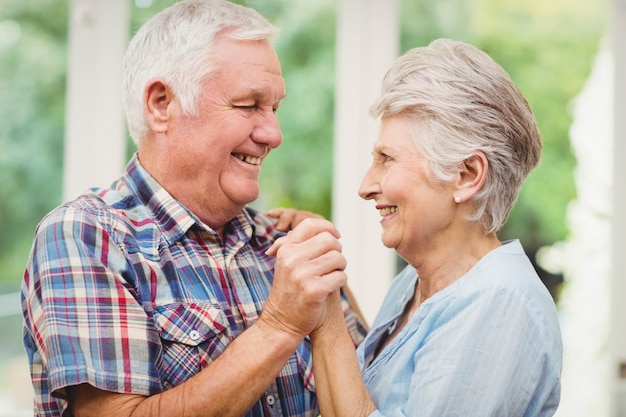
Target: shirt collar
170, 216
174, 219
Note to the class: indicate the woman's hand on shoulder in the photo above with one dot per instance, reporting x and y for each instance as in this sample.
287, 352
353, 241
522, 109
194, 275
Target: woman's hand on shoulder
289, 218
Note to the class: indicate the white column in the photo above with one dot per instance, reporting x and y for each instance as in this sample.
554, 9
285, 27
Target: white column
367, 42
95, 132
618, 292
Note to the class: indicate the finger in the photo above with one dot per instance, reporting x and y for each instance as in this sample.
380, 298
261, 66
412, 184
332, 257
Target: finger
300, 215
321, 244
296, 254
284, 218
311, 248
313, 226
331, 261
312, 269
285, 221
275, 212
332, 281
273, 250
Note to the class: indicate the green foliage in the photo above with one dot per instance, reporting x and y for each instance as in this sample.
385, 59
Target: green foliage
532, 39
299, 173
32, 86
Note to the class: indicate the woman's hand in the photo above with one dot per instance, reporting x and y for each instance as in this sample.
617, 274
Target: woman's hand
309, 267
288, 218
331, 316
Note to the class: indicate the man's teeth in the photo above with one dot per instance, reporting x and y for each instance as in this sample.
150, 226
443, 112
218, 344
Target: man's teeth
253, 160
387, 210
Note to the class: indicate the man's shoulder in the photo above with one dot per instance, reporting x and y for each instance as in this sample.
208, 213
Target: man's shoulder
99, 205
263, 224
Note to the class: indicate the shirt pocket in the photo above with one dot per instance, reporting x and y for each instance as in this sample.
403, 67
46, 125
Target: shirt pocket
192, 335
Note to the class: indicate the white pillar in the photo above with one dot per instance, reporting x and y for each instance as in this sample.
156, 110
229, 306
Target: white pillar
618, 292
95, 132
367, 42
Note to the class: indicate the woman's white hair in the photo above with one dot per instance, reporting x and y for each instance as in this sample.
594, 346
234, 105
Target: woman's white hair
462, 101
176, 45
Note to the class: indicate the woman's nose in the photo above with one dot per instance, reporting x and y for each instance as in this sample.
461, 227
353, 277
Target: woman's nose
369, 187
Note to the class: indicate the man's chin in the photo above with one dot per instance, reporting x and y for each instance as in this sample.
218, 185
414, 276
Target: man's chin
245, 195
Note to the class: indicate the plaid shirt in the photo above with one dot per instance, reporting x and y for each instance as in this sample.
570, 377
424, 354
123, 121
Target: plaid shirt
129, 292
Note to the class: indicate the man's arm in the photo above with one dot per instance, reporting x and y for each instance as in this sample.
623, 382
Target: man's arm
227, 387
309, 267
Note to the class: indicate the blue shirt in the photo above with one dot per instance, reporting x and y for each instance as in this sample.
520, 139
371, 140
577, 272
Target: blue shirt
128, 291
487, 345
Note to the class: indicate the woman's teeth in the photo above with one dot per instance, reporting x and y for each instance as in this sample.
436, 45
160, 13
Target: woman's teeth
387, 210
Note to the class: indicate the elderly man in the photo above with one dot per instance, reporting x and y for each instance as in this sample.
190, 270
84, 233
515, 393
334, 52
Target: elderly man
156, 297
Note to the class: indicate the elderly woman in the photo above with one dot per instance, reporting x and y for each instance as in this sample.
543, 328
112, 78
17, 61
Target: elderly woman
467, 328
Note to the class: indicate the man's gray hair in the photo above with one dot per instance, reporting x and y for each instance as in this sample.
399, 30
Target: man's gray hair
176, 46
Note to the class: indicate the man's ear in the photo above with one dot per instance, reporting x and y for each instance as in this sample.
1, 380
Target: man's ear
471, 178
157, 98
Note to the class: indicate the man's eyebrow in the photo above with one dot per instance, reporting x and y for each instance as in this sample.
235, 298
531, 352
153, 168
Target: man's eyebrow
260, 94
256, 93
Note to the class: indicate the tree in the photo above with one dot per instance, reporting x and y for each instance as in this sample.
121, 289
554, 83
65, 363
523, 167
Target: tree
531, 39
32, 86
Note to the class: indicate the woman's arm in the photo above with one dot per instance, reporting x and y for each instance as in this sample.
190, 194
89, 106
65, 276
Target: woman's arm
340, 388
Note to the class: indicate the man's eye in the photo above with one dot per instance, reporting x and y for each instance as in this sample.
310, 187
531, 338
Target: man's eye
251, 107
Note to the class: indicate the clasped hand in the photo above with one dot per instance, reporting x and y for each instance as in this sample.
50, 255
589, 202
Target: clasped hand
309, 268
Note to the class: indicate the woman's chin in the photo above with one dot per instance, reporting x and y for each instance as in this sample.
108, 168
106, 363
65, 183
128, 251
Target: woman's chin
388, 242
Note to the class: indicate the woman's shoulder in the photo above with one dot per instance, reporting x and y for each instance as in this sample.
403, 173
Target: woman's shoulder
507, 269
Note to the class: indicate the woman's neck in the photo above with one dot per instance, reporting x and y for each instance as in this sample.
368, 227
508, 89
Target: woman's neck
441, 268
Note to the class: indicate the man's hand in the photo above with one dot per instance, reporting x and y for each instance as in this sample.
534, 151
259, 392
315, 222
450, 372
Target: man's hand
288, 218
309, 267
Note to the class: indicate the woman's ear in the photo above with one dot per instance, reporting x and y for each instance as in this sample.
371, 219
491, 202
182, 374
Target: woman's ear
157, 98
471, 178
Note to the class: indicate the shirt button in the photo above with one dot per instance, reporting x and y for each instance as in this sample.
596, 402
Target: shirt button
194, 334
270, 400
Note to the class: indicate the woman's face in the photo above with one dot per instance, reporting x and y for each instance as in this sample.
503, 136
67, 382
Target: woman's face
415, 213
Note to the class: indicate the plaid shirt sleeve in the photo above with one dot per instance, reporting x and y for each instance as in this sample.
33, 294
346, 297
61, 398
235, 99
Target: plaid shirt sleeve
83, 323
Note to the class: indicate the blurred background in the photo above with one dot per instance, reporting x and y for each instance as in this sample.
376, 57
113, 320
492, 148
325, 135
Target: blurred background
558, 53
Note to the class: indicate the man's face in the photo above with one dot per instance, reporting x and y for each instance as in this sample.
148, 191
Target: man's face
217, 157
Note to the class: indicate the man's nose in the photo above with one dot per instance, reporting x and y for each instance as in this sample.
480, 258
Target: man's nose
268, 130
